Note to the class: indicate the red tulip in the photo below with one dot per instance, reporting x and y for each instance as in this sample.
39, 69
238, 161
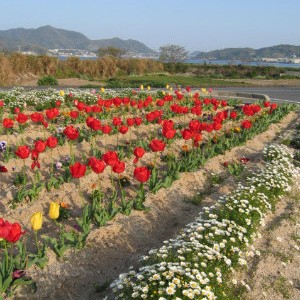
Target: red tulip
96, 125
168, 124
197, 137
40, 146
123, 129
223, 103
233, 115
89, 121
17, 110
209, 127
157, 145
88, 109
139, 153
138, 121
57, 103
97, 165
80, 106
267, 104
3, 169
34, 154
119, 167
52, 142
142, 174
37, 117
77, 170
194, 125
169, 133
1, 103
130, 121
74, 114
71, 132
96, 109
117, 121
23, 152
246, 124
21, 118
10, 232
8, 123
52, 113
187, 134
217, 126
106, 129
110, 158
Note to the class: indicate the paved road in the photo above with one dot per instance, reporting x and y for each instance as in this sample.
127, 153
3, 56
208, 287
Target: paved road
282, 93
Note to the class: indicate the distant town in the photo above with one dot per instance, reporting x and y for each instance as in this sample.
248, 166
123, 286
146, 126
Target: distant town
85, 54
92, 55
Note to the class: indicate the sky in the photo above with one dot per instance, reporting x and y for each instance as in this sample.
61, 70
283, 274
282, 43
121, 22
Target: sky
197, 25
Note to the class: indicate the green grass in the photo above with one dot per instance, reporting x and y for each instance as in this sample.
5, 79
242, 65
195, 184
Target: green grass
282, 286
161, 80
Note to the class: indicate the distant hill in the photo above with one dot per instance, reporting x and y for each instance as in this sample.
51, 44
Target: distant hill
48, 37
244, 54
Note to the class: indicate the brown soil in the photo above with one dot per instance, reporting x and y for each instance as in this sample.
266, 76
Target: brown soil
115, 247
275, 274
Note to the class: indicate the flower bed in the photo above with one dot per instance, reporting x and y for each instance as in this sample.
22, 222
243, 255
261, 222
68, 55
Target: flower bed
103, 153
198, 263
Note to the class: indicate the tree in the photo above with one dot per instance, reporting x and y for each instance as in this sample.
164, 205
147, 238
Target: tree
111, 51
172, 53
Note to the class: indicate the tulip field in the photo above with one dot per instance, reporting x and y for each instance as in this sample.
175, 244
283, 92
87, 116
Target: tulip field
72, 161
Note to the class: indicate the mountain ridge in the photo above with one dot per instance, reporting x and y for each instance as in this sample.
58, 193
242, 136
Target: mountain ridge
247, 53
47, 37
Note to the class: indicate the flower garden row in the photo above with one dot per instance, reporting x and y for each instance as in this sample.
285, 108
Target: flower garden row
199, 263
70, 133
211, 125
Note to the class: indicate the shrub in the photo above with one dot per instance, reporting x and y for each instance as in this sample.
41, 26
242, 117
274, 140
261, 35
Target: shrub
47, 80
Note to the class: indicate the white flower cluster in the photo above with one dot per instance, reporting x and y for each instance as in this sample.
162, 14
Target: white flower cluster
19, 97
195, 263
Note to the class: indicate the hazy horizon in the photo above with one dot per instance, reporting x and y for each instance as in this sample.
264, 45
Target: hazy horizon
196, 25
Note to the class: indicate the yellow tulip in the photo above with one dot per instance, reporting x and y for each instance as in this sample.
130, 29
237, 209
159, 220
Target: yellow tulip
54, 210
163, 92
167, 86
36, 221
102, 90
61, 93
171, 89
141, 87
148, 87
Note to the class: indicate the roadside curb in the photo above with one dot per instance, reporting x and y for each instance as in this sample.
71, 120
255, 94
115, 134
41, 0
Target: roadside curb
241, 95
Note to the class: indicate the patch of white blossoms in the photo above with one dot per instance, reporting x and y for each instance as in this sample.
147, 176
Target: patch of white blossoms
194, 265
